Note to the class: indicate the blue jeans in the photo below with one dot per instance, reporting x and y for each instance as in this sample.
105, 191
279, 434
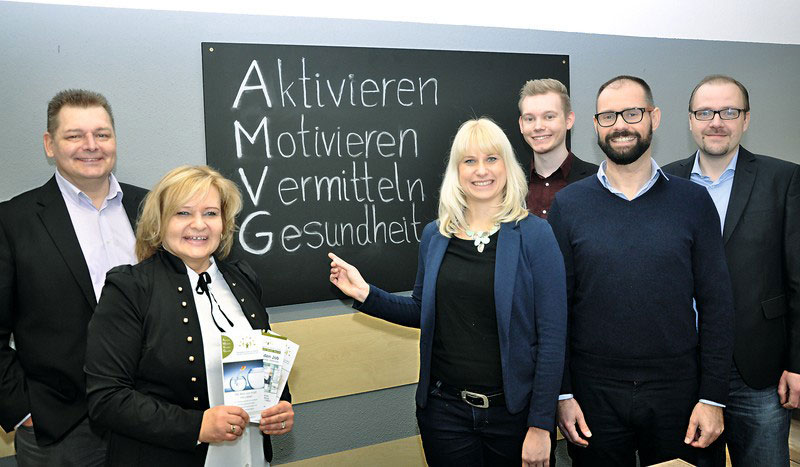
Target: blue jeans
455, 433
756, 425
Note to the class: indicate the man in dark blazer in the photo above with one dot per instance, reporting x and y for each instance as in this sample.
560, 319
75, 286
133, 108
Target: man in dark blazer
758, 201
545, 117
56, 244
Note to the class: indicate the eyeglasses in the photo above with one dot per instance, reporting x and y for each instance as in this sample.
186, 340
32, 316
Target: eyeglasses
725, 114
632, 115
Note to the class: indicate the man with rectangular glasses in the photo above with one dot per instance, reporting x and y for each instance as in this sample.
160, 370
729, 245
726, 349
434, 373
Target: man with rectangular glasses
638, 246
758, 202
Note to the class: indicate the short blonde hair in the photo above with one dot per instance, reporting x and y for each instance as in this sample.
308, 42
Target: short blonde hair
177, 187
537, 87
482, 135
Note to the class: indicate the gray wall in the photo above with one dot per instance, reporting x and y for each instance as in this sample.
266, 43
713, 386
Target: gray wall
148, 64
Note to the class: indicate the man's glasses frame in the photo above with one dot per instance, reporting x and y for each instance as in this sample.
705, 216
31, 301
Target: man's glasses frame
706, 115
631, 116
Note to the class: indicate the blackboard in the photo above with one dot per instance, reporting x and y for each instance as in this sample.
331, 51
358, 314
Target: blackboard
342, 149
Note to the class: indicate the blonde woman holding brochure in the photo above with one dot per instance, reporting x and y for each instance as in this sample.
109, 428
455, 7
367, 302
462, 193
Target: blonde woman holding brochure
153, 360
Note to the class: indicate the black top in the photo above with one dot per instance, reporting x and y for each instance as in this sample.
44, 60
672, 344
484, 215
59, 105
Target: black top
466, 347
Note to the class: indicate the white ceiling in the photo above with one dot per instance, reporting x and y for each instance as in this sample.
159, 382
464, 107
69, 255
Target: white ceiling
770, 21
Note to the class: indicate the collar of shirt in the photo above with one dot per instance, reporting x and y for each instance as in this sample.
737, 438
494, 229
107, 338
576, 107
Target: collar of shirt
720, 190
71, 192
655, 172
212, 271
224, 299
563, 169
698, 176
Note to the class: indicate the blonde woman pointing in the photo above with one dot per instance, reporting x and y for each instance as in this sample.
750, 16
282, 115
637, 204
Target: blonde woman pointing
490, 302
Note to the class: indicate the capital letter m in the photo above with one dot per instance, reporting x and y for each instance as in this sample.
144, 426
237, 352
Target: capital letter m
239, 130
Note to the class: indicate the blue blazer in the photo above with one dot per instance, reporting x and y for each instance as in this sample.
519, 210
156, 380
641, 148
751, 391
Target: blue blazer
530, 298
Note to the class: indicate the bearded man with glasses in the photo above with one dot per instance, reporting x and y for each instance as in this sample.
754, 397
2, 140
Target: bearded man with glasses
642, 376
758, 202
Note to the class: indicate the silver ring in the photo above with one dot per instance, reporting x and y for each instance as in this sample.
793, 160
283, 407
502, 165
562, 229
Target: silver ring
283, 424
233, 429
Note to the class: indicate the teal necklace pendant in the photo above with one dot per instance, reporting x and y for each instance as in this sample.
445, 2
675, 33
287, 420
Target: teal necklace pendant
481, 239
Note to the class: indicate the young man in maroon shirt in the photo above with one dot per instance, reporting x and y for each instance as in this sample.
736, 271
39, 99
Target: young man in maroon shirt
545, 116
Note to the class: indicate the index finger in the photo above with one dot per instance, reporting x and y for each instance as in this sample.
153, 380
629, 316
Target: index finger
691, 433
336, 261
236, 410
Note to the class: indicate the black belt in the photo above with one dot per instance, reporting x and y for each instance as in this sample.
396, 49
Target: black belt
475, 399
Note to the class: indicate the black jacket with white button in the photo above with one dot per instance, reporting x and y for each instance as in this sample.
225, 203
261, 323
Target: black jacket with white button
145, 366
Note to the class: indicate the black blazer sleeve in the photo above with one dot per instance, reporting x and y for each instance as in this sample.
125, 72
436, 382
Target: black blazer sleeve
14, 404
791, 256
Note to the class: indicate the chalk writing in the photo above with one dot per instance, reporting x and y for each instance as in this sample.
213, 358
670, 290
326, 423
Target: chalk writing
343, 149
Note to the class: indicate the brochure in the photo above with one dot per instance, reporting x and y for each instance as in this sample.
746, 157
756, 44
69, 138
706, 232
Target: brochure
274, 347
255, 369
243, 371
289, 352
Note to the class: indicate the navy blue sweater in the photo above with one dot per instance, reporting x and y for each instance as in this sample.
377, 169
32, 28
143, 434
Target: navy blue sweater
632, 270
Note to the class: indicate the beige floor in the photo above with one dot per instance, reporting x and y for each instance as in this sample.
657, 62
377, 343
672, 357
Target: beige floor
794, 443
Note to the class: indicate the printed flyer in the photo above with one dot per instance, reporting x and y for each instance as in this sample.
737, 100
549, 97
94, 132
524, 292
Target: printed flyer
279, 353
243, 371
255, 369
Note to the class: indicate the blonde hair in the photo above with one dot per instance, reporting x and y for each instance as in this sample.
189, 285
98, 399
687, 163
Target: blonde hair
485, 136
177, 187
537, 87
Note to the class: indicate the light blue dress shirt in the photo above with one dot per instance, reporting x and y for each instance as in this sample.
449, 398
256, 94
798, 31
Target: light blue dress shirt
655, 171
105, 235
720, 190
